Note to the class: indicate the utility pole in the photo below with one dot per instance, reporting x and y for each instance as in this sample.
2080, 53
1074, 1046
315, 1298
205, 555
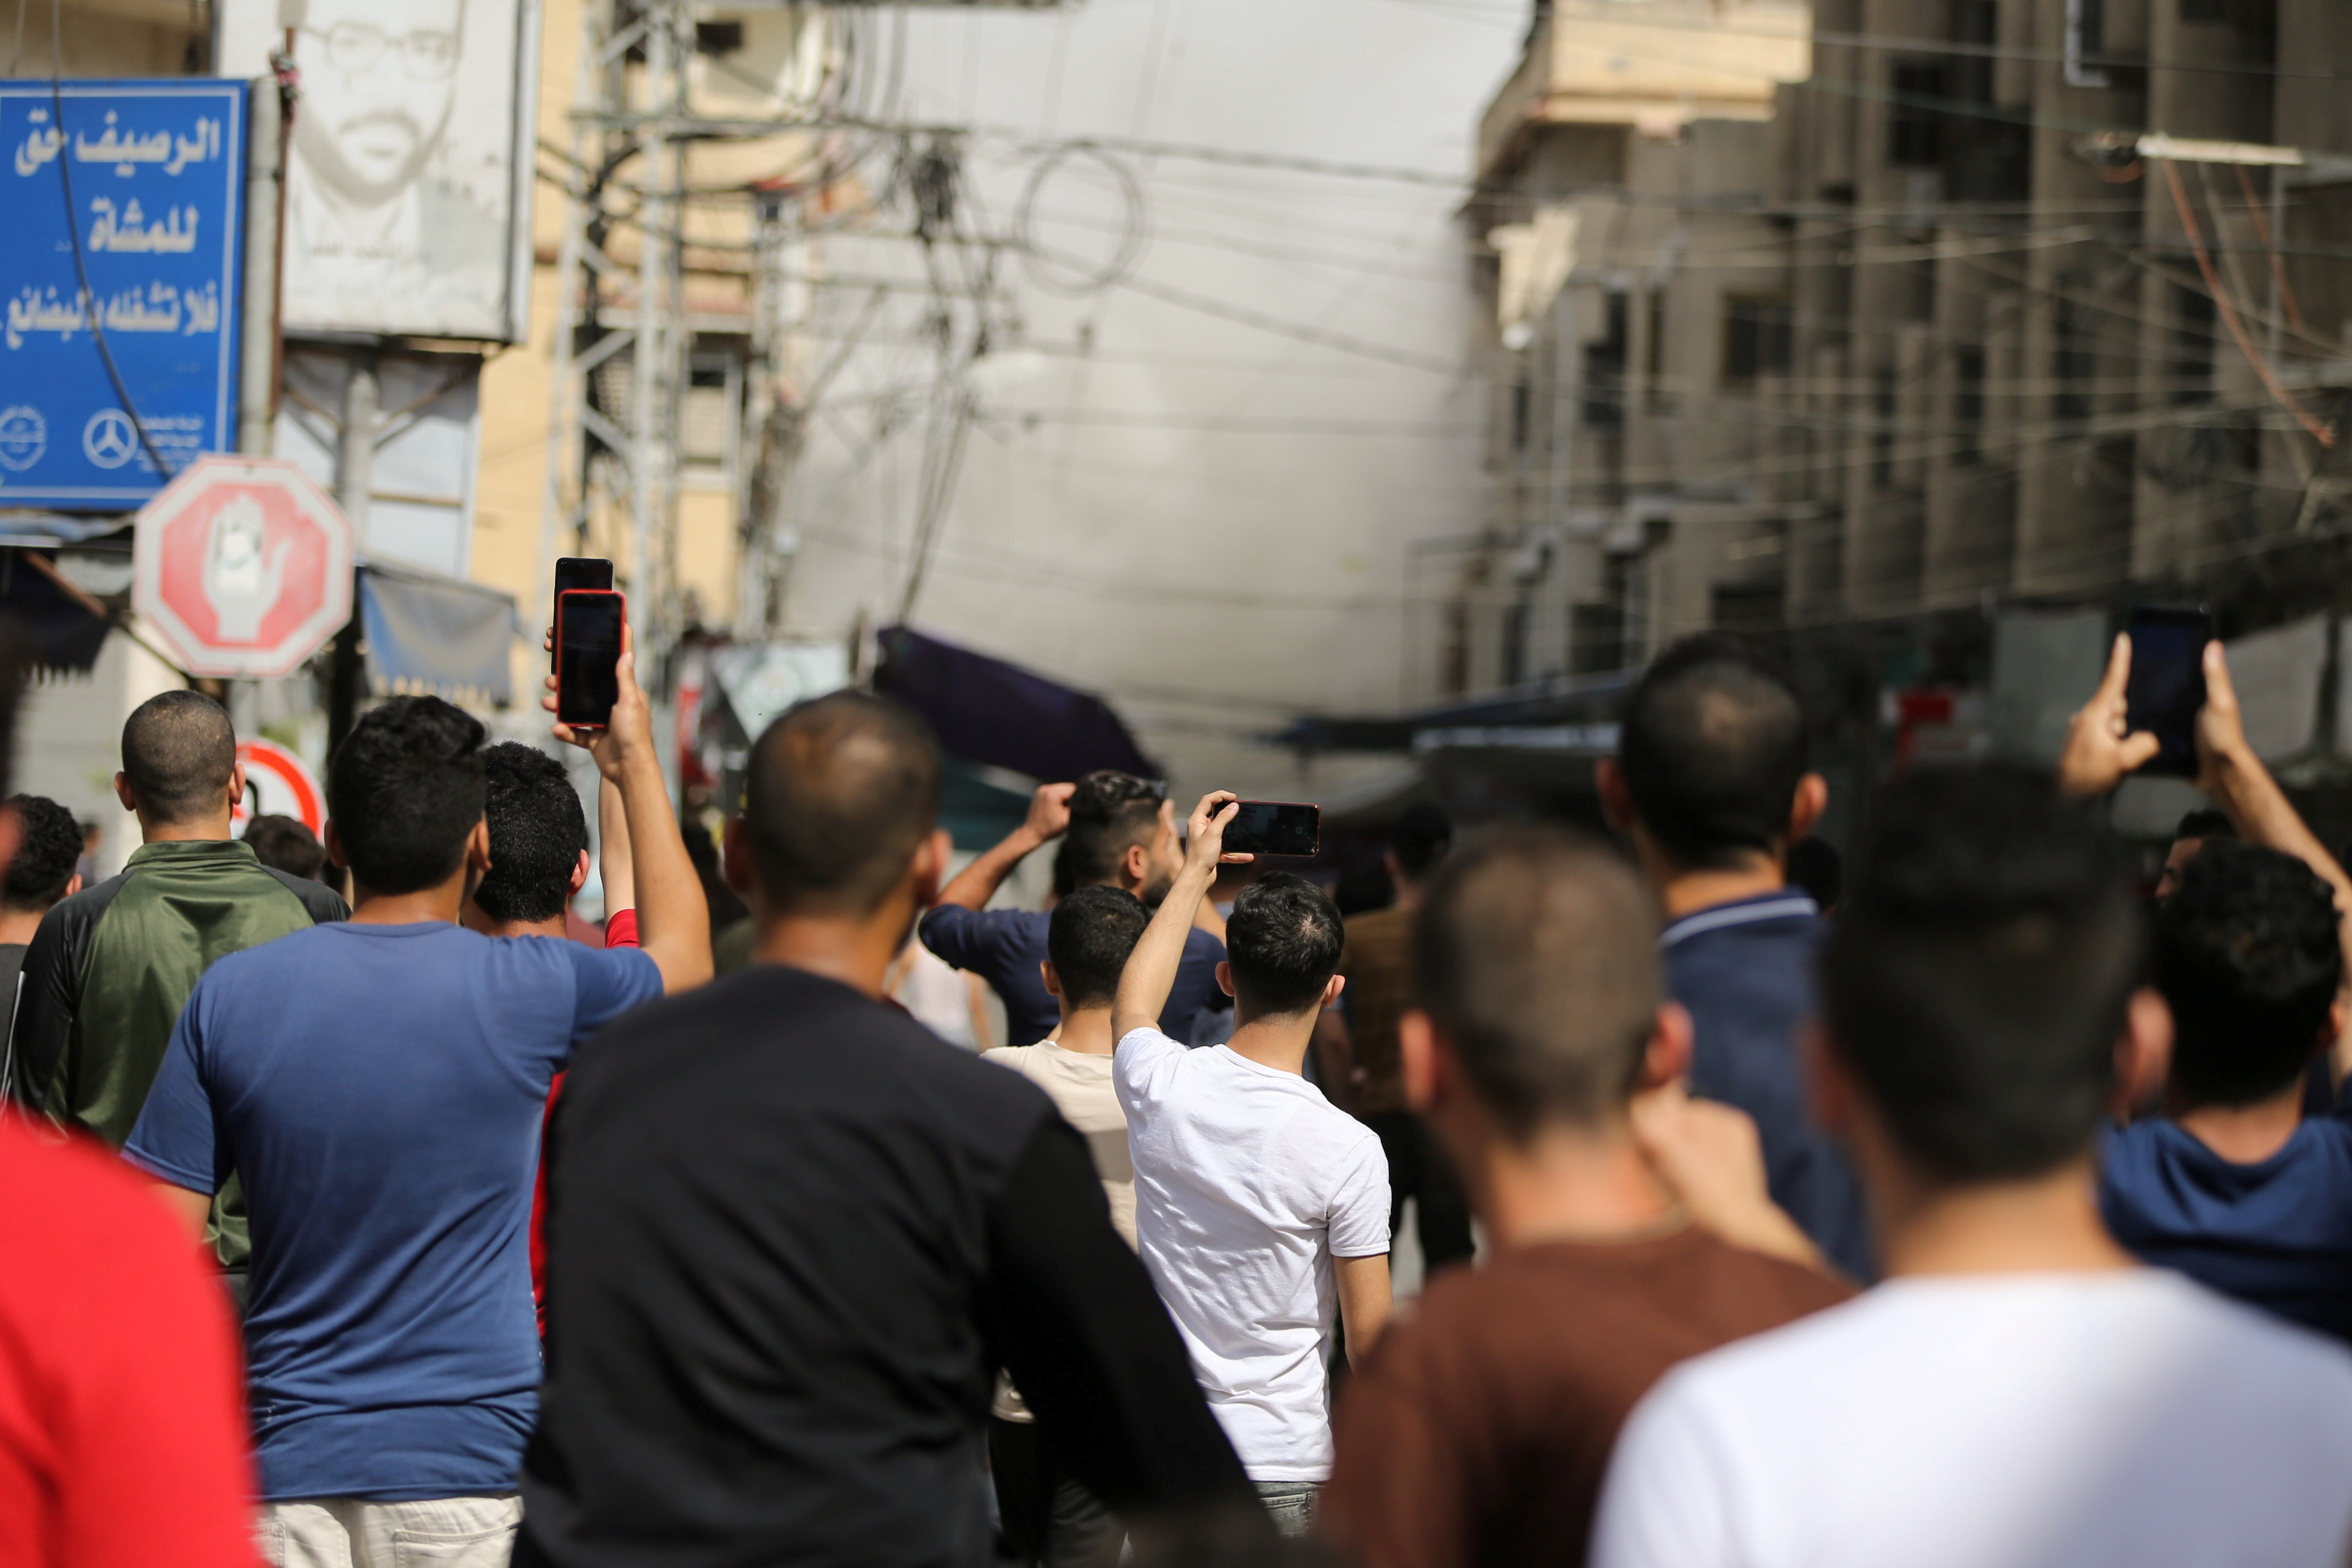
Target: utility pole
623, 447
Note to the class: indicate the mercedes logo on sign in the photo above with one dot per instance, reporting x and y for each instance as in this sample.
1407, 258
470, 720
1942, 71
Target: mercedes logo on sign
110, 439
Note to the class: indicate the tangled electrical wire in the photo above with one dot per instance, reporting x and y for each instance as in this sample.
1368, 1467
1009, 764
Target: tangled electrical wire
1049, 270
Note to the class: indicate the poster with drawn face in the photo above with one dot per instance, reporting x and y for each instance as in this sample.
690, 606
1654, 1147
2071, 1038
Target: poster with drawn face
408, 201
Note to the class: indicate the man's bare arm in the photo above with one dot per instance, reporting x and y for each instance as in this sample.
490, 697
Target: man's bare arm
619, 865
1365, 1301
1151, 972
1048, 819
672, 918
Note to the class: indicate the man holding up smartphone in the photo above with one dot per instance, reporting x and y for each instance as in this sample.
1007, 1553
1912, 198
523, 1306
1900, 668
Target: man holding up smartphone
1259, 1204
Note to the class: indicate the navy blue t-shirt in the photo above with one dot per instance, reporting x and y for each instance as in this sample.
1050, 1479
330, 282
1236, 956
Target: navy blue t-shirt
2276, 1234
379, 1088
1005, 946
1744, 971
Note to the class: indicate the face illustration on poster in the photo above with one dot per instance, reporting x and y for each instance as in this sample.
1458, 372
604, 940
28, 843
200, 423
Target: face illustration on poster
400, 196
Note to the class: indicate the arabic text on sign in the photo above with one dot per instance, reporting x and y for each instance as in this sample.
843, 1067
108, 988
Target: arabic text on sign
125, 152
159, 307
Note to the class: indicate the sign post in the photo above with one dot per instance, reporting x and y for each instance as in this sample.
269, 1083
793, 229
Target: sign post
242, 567
118, 286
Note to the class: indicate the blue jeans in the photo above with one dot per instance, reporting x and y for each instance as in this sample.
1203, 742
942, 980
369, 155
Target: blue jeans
1292, 1504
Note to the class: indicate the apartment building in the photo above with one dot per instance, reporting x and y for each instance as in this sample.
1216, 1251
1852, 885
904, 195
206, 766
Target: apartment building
1925, 320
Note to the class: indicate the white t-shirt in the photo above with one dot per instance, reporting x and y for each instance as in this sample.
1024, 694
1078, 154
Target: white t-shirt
1995, 1421
1247, 1184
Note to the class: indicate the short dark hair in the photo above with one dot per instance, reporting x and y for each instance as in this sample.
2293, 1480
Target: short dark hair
47, 852
404, 791
842, 789
1818, 869
1536, 953
1110, 812
2248, 955
1979, 978
178, 752
285, 844
538, 833
1713, 748
2205, 823
1088, 939
1283, 941
1420, 839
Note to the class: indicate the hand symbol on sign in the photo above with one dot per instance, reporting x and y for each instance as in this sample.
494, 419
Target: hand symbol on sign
241, 576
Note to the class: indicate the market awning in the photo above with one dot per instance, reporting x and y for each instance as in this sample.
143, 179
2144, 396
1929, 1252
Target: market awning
985, 710
427, 634
1575, 714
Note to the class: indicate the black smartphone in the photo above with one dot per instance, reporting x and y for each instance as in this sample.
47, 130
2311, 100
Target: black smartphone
588, 624
1274, 827
2168, 684
574, 571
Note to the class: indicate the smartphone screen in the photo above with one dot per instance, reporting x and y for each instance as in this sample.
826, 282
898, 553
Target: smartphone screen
2168, 684
577, 571
587, 656
1274, 827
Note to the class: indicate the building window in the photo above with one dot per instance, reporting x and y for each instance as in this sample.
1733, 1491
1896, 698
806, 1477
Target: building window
1968, 403
717, 39
1604, 366
2193, 327
2074, 343
710, 419
1758, 335
2204, 10
1915, 120
1523, 400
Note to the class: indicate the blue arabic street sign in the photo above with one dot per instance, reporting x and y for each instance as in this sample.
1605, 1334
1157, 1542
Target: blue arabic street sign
156, 175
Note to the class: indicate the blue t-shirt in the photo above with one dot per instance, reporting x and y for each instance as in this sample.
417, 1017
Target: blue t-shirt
379, 1088
1744, 971
1005, 946
2276, 1234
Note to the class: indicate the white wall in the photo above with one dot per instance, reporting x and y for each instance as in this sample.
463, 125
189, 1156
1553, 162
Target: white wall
69, 738
1202, 519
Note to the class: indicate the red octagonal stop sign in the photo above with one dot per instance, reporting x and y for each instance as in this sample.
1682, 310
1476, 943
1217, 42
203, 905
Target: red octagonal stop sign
243, 567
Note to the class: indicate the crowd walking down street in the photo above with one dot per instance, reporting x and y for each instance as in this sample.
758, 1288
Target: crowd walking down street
2000, 1218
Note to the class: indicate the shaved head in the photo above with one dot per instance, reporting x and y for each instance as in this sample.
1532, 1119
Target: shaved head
842, 790
1535, 953
178, 751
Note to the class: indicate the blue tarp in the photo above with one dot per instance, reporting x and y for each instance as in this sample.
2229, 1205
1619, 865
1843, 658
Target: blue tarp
435, 634
987, 711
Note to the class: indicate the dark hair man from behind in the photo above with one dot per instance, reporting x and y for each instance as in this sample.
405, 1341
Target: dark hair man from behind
2249, 954
110, 967
49, 844
379, 1084
1712, 784
1356, 1043
1478, 1429
1116, 830
1046, 1515
799, 1192
287, 844
1981, 1007
539, 835
2196, 828
126, 1428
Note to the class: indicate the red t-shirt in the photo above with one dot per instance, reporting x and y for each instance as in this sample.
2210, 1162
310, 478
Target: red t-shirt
122, 1432
620, 931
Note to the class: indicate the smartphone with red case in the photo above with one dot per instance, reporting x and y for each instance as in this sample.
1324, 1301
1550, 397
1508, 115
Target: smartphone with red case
589, 623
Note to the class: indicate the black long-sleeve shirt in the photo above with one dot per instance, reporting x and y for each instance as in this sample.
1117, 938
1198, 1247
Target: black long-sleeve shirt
790, 1235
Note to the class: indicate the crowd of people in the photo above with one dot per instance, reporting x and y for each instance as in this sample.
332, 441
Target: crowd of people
2001, 1217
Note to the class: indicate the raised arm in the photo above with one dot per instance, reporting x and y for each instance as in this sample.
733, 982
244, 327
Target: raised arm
1048, 819
1151, 972
673, 919
619, 864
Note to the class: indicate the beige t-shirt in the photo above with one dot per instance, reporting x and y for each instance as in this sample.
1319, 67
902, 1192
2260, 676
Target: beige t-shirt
1080, 1087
